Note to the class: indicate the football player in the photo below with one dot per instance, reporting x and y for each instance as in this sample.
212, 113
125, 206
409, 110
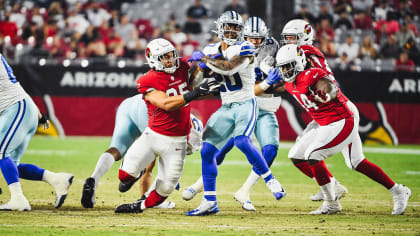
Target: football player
301, 33
266, 126
337, 130
166, 91
19, 118
232, 62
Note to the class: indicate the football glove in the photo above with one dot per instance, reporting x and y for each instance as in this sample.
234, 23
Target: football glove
196, 56
208, 86
44, 122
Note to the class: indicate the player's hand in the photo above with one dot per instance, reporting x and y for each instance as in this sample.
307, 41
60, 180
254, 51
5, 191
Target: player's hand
322, 96
196, 56
274, 76
209, 86
44, 122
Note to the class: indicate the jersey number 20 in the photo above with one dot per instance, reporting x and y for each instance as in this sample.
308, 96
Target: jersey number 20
233, 82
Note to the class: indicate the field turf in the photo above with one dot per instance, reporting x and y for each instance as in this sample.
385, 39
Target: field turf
366, 209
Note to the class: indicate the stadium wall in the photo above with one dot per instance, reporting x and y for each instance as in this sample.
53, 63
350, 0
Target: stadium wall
83, 101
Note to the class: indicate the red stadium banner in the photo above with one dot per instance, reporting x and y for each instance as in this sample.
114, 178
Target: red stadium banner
83, 101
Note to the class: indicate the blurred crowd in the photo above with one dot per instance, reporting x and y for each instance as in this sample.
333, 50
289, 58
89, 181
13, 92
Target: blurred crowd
353, 33
357, 32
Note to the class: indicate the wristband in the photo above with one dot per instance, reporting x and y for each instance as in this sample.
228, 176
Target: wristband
264, 85
43, 119
188, 97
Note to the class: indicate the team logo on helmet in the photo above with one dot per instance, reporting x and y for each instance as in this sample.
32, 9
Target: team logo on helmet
307, 29
148, 53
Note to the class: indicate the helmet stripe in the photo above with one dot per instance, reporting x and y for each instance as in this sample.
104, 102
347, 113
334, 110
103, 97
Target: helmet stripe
252, 26
237, 17
256, 28
231, 14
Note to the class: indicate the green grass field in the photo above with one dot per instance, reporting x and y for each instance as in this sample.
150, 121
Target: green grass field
366, 209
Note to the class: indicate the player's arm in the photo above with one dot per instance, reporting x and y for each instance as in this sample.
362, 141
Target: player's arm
227, 67
325, 90
273, 77
165, 102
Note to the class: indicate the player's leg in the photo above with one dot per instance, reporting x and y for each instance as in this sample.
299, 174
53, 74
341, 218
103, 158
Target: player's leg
327, 141
145, 181
190, 192
355, 160
245, 119
296, 155
267, 133
18, 122
172, 151
125, 132
216, 134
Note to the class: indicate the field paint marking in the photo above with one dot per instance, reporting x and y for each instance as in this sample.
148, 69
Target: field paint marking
49, 152
370, 149
410, 172
257, 227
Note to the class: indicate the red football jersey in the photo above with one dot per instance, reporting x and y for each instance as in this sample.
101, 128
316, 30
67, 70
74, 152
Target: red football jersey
170, 123
317, 57
323, 113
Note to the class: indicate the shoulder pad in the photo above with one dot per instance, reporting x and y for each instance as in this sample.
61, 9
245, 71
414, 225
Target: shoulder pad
311, 50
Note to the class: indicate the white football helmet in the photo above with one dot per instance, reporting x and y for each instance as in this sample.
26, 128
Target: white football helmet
301, 30
160, 52
225, 24
290, 60
255, 28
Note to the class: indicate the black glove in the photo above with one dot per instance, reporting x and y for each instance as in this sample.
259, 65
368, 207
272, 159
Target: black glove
44, 122
208, 86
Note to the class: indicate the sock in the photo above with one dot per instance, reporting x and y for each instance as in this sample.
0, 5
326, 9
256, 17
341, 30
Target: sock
198, 185
220, 156
253, 155
105, 161
152, 188
376, 173
10, 171
124, 176
320, 172
15, 189
250, 181
209, 170
30, 172
269, 153
328, 171
328, 191
49, 177
153, 199
305, 168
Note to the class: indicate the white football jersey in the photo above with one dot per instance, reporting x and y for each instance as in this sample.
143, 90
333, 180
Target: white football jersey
238, 87
268, 102
195, 138
10, 89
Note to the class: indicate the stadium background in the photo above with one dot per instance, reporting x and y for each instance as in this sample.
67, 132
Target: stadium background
80, 59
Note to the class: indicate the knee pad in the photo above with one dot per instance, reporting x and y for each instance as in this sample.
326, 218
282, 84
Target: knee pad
269, 152
164, 188
124, 176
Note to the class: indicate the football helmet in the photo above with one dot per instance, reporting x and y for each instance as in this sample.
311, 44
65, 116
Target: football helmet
290, 60
301, 30
161, 55
230, 27
255, 28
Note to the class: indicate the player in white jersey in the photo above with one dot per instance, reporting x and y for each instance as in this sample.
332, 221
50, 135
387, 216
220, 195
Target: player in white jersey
266, 127
19, 118
130, 122
231, 62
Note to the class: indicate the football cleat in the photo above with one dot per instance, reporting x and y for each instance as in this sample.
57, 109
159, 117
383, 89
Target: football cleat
125, 186
340, 192
88, 193
206, 208
189, 193
17, 203
400, 197
61, 185
134, 207
276, 188
243, 198
328, 208
166, 205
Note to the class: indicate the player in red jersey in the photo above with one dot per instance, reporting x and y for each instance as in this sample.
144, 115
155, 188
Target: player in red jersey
338, 120
301, 33
166, 91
